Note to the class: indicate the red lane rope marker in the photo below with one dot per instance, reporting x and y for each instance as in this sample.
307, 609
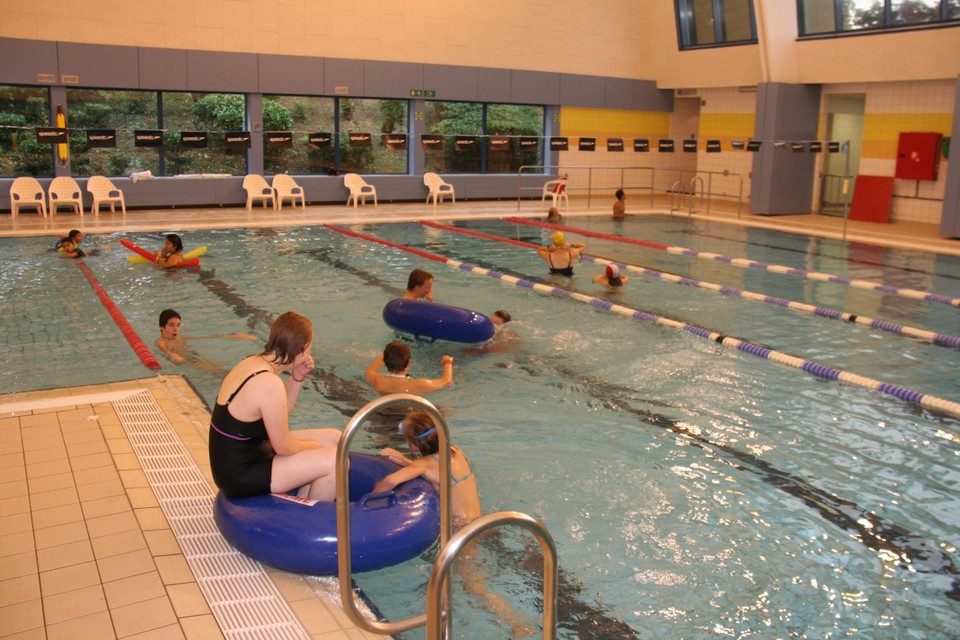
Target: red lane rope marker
355, 234
139, 348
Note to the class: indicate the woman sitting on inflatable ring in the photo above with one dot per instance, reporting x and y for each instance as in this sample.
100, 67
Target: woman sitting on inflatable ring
252, 450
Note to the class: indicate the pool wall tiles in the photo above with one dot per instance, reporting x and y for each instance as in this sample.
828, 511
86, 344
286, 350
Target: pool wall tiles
892, 108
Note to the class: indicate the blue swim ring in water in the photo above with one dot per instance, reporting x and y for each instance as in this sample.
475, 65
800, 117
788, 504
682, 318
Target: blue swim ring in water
429, 321
301, 535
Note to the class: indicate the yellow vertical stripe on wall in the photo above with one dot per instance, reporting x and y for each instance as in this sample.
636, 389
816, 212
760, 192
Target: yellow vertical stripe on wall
881, 131
613, 123
727, 125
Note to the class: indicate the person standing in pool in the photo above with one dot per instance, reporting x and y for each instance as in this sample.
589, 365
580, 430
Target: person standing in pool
252, 449
420, 434
611, 277
174, 344
172, 253
419, 286
620, 206
560, 256
396, 357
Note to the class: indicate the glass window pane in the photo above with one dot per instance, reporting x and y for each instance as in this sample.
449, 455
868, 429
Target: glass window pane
123, 111
914, 11
862, 14
375, 117
215, 113
22, 109
702, 30
303, 115
953, 9
817, 16
451, 119
737, 26
517, 122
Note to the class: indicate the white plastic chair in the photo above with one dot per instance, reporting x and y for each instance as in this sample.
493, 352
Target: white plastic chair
27, 192
286, 188
557, 190
65, 192
104, 192
359, 189
258, 191
438, 188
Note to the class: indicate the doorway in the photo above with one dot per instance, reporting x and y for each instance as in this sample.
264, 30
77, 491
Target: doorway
844, 124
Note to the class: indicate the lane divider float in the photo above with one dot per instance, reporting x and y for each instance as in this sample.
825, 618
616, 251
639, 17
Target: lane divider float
927, 401
753, 264
932, 337
139, 347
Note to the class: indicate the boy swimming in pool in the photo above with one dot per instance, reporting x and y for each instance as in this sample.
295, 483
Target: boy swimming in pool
396, 357
174, 344
68, 249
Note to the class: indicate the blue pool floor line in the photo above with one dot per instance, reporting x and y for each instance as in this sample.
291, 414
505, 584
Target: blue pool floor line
942, 405
924, 335
753, 264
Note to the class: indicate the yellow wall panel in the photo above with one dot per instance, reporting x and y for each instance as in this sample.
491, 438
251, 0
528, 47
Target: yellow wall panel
727, 125
613, 123
881, 131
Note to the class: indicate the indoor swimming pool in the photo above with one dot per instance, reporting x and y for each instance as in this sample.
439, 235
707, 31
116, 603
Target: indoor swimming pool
694, 489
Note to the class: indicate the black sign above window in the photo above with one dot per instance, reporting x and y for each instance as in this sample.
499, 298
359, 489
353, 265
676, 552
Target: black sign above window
102, 138
280, 140
148, 138
193, 139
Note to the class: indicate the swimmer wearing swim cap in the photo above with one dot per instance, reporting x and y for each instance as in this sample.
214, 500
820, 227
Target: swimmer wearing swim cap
611, 277
561, 255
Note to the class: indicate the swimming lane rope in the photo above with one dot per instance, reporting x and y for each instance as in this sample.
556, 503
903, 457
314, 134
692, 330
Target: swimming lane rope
147, 358
930, 402
882, 325
753, 264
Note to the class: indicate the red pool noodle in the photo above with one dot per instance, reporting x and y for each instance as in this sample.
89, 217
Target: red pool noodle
139, 348
192, 262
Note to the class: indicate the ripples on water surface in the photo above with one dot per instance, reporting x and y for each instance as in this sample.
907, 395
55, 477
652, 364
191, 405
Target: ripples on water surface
693, 490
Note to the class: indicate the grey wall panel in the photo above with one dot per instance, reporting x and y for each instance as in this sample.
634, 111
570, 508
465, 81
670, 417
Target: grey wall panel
452, 83
222, 71
391, 79
582, 91
534, 87
99, 65
783, 181
22, 60
163, 69
298, 75
648, 98
950, 217
338, 72
493, 85
619, 93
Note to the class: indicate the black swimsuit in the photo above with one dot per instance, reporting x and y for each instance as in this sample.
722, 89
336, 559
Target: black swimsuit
241, 458
566, 271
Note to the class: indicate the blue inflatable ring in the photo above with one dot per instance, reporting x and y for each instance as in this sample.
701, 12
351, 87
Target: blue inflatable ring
429, 321
301, 536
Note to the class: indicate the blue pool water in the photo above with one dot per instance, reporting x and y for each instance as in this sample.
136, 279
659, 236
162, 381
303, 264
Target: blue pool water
693, 490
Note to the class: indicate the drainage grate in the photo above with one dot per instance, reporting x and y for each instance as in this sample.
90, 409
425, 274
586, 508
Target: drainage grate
242, 597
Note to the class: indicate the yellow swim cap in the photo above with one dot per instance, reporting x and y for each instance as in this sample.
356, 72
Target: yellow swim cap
558, 239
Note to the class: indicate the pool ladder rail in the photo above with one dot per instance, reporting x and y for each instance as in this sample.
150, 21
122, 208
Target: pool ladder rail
437, 618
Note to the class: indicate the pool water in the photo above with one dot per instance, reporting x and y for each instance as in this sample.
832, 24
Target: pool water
693, 490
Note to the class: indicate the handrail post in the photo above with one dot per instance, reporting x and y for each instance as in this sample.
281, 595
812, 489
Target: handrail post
344, 560
441, 569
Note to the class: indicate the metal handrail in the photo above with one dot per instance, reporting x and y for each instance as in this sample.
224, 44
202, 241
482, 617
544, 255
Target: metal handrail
441, 570
676, 196
693, 191
344, 560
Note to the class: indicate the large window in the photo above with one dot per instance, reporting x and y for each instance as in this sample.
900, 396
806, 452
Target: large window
21, 110
213, 113
122, 111
308, 118
483, 138
376, 118
841, 16
706, 23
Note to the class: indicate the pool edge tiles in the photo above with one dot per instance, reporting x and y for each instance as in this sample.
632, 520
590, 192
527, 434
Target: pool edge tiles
168, 417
